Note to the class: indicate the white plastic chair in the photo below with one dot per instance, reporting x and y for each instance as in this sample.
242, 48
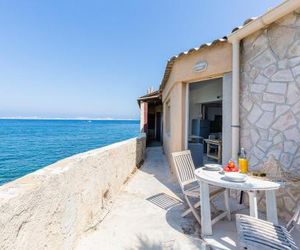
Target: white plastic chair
254, 233
185, 168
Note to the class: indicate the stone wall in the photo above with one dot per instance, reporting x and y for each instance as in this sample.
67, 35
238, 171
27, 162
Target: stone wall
52, 207
270, 101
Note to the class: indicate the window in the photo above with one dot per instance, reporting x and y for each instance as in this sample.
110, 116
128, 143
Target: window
168, 117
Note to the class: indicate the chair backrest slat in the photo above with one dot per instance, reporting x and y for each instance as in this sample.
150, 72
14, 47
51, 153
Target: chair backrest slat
184, 167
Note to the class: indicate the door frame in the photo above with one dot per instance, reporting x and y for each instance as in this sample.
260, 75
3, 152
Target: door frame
187, 107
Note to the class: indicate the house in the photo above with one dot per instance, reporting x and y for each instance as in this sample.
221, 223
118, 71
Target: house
151, 116
244, 91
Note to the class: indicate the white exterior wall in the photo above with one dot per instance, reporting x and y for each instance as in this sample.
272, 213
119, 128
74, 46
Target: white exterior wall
143, 117
226, 118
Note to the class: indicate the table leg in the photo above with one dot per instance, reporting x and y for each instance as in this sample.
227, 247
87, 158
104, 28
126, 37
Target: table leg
271, 206
227, 207
253, 204
206, 226
219, 153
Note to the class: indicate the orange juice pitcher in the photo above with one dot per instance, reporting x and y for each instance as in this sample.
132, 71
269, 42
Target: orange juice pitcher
243, 162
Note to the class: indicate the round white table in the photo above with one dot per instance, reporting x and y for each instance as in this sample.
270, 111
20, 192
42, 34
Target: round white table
251, 185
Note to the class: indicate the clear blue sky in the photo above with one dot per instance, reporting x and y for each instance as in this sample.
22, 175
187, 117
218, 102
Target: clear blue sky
68, 58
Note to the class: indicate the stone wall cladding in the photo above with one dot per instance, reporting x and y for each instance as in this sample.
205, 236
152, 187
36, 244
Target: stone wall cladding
270, 100
52, 207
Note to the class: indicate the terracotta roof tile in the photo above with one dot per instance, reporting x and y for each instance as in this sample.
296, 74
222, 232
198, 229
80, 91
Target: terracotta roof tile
172, 60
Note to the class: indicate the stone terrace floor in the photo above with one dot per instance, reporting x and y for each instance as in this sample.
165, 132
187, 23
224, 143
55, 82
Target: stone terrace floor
147, 215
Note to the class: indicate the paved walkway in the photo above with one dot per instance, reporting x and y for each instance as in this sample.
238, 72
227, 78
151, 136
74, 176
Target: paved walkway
146, 214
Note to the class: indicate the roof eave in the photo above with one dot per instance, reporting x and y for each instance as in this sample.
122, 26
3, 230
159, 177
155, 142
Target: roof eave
266, 19
151, 96
172, 60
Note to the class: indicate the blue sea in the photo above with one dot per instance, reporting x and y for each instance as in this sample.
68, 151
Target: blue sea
28, 145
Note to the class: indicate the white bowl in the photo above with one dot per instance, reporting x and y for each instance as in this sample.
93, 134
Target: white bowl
212, 166
235, 176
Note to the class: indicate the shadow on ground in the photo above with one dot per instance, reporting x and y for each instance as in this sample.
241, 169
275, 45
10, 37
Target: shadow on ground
145, 243
174, 205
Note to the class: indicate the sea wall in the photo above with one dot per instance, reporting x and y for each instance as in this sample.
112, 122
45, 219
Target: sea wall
52, 207
270, 102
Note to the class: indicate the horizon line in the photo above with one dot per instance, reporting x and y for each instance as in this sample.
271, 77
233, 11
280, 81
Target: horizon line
66, 118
